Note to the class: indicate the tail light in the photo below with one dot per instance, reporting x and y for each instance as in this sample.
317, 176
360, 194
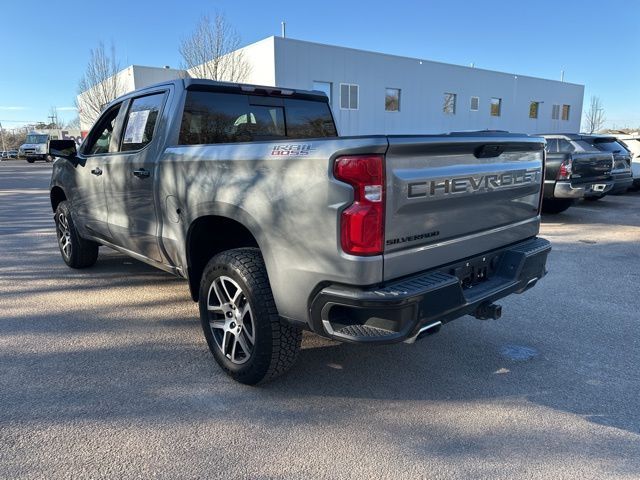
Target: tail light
544, 175
564, 173
362, 223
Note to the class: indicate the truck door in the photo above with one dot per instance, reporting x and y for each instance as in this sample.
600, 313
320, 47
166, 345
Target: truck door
129, 189
88, 197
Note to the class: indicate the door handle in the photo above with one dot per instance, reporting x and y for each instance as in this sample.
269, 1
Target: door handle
97, 172
142, 173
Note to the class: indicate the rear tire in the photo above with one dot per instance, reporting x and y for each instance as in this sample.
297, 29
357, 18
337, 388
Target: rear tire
30, 160
556, 205
76, 251
245, 334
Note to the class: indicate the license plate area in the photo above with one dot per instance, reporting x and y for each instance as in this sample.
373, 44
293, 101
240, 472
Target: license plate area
476, 270
598, 187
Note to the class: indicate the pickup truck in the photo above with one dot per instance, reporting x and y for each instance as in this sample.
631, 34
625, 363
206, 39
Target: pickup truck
574, 169
280, 225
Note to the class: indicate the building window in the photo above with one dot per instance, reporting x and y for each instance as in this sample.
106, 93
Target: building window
449, 103
392, 100
496, 107
565, 112
323, 87
475, 104
349, 96
533, 109
555, 112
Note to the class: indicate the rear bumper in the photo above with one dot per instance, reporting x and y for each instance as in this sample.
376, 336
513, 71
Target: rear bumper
398, 310
622, 182
566, 189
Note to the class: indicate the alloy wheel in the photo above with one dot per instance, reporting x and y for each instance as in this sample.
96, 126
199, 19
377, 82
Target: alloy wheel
231, 320
64, 235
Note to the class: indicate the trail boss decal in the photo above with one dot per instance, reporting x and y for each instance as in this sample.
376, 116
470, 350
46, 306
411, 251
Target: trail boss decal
292, 150
471, 184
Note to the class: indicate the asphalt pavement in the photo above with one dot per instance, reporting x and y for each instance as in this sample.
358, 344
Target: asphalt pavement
104, 373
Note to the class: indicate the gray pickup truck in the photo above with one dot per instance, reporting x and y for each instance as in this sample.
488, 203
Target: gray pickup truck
281, 225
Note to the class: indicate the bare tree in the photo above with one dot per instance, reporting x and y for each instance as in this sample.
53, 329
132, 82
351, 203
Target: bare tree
73, 124
594, 117
100, 84
212, 51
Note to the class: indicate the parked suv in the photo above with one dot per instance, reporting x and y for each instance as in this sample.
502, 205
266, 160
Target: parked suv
632, 143
574, 169
621, 173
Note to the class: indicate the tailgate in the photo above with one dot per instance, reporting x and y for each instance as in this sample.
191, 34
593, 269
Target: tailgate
591, 165
454, 196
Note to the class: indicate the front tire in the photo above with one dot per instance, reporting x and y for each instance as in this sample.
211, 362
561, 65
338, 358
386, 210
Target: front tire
556, 205
76, 251
245, 334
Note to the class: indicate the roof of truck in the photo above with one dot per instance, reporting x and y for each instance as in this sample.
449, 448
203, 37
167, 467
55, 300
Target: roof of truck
216, 86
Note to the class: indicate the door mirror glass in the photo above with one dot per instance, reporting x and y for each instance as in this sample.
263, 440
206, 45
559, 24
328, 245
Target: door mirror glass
63, 149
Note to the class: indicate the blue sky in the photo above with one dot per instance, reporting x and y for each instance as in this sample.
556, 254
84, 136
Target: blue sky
596, 43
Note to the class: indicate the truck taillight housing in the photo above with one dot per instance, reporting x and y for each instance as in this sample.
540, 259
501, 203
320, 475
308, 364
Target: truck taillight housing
564, 173
362, 223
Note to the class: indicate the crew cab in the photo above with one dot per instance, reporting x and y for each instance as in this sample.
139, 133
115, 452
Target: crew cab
280, 225
574, 169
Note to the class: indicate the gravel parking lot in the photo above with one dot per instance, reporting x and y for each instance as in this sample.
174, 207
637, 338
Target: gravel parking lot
105, 372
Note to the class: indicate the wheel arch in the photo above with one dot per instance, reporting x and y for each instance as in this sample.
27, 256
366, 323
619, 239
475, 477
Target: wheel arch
209, 235
56, 195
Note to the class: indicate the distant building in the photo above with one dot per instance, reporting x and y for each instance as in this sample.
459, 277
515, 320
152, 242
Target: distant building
374, 93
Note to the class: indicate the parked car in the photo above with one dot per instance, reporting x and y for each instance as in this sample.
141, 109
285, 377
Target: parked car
621, 173
279, 224
574, 169
632, 143
7, 154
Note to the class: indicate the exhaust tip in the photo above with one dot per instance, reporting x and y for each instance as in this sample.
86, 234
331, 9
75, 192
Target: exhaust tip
488, 311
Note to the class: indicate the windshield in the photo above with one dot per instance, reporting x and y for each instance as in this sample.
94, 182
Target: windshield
37, 138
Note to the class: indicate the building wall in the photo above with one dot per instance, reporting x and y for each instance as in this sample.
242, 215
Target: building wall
423, 84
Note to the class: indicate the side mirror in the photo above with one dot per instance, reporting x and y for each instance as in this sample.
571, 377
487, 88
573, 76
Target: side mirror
64, 149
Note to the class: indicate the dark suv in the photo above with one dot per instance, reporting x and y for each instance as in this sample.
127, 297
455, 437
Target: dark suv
621, 173
574, 169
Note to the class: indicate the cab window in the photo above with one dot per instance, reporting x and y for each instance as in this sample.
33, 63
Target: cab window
552, 145
99, 140
141, 122
565, 146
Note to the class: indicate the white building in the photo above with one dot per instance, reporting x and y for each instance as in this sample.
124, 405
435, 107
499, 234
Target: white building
127, 80
374, 93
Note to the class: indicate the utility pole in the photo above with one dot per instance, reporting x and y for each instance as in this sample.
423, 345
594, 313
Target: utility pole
2, 137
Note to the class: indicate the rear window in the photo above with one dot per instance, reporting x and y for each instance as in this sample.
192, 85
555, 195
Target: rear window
212, 117
609, 146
